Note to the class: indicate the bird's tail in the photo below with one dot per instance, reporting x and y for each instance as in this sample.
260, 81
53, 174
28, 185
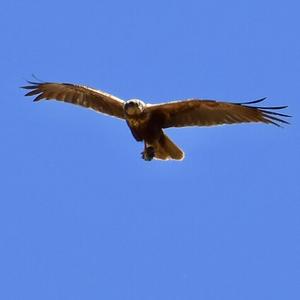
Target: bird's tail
165, 149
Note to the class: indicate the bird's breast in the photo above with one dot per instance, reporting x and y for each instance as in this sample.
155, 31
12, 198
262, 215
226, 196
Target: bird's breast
139, 120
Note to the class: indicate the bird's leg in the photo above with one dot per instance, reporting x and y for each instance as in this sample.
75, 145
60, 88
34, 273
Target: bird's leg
148, 153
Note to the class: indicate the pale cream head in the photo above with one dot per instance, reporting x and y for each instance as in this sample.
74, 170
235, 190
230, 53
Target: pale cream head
134, 107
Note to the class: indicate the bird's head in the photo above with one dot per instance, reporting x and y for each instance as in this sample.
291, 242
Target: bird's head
134, 107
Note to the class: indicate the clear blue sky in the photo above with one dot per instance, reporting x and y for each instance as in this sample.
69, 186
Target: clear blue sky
83, 217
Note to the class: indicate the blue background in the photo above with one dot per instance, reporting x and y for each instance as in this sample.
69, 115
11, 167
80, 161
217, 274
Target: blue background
83, 217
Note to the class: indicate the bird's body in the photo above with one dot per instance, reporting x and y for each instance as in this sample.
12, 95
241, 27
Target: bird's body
147, 121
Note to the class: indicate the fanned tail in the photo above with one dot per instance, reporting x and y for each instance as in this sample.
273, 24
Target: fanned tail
165, 149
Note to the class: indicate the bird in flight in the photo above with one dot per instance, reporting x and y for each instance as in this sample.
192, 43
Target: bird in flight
148, 121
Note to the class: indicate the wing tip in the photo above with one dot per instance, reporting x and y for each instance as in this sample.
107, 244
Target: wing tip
270, 117
33, 88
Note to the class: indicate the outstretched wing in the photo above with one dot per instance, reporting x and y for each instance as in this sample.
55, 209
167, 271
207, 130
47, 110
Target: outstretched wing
77, 94
196, 112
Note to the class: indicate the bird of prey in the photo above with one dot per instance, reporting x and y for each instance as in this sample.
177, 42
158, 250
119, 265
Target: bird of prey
148, 121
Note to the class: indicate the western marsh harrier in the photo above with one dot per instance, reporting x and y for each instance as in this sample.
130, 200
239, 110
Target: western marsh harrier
147, 121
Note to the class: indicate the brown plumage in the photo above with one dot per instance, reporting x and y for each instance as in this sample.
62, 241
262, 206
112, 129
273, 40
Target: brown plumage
147, 121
